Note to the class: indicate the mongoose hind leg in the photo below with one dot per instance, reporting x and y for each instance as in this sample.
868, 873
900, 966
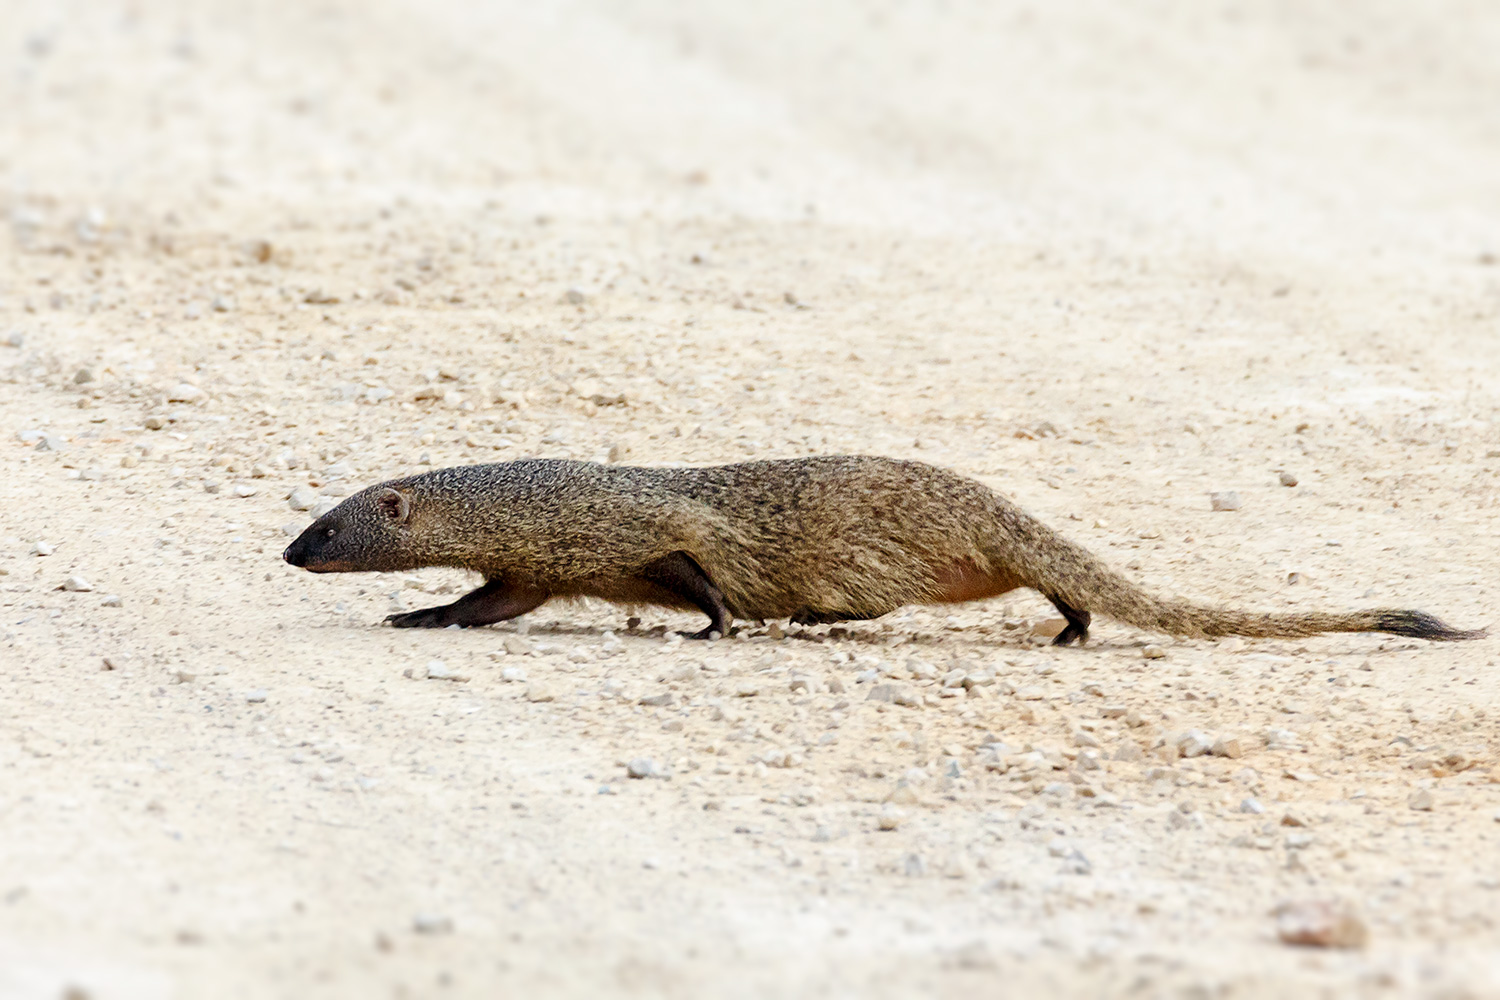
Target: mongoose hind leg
494, 602
1078, 623
678, 573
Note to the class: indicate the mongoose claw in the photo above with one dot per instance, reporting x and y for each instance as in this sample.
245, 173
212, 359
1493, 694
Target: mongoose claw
709, 633
424, 618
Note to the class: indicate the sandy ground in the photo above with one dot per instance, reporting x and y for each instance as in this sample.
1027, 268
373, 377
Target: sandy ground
1106, 258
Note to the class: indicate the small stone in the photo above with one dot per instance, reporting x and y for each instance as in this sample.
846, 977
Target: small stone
1228, 747
1193, 744
256, 697
513, 675
1286, 479
746, 689
1049, 628
1129, 751
111, 601
302, 498
657, 700
338, 470
51, 442
292, 528
415, 673
129, 461
432, 923
642, 767
574, 297
437, 670
1293, 819
77, 585
775, 631
516, 646
184, 392
1321, 924
1421, 800
1030, 693
539, 691
1252, 806
210, 486
1227, 500
154, 422
1153, 652
83, 376
912, 865
244, 490
890, 816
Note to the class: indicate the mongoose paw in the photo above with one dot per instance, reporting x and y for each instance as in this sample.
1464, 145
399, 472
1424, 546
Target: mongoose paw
1067, 636
424, 618
709, 633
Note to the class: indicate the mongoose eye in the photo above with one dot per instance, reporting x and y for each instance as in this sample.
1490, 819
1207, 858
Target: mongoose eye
331, 532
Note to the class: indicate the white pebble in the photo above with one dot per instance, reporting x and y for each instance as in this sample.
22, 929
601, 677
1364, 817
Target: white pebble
437, 670
538, 691
77, 584
302, 498
1227, 500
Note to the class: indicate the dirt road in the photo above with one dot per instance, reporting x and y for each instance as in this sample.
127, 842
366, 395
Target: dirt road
1108, 259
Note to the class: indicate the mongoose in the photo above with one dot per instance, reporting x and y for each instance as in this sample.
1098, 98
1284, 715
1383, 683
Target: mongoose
815, 540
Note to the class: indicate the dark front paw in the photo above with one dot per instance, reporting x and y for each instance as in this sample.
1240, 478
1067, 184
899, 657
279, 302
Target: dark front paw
425, 618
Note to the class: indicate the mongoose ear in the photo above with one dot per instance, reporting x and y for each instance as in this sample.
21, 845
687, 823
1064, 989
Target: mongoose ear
395, 505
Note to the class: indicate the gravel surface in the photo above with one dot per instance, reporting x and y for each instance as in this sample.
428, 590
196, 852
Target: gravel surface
1212, 290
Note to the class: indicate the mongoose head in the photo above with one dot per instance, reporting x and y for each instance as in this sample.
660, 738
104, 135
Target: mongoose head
371, 530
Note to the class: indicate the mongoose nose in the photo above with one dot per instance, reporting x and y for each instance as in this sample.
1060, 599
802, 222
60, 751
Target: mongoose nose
291, 556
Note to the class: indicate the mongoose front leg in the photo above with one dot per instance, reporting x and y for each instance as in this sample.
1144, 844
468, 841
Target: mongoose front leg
679, 574
494, 602
1078, 623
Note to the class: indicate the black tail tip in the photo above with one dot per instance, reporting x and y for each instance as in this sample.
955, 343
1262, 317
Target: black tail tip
1421, 625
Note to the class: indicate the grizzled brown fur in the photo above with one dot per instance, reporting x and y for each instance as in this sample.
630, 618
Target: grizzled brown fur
812, 539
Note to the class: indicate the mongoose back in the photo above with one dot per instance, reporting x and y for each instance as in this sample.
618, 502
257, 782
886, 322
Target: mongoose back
815, 540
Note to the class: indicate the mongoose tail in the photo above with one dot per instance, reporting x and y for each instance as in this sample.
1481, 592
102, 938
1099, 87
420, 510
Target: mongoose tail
1079, 585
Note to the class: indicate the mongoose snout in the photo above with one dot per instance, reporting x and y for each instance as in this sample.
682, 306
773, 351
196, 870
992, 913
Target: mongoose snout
837, 538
